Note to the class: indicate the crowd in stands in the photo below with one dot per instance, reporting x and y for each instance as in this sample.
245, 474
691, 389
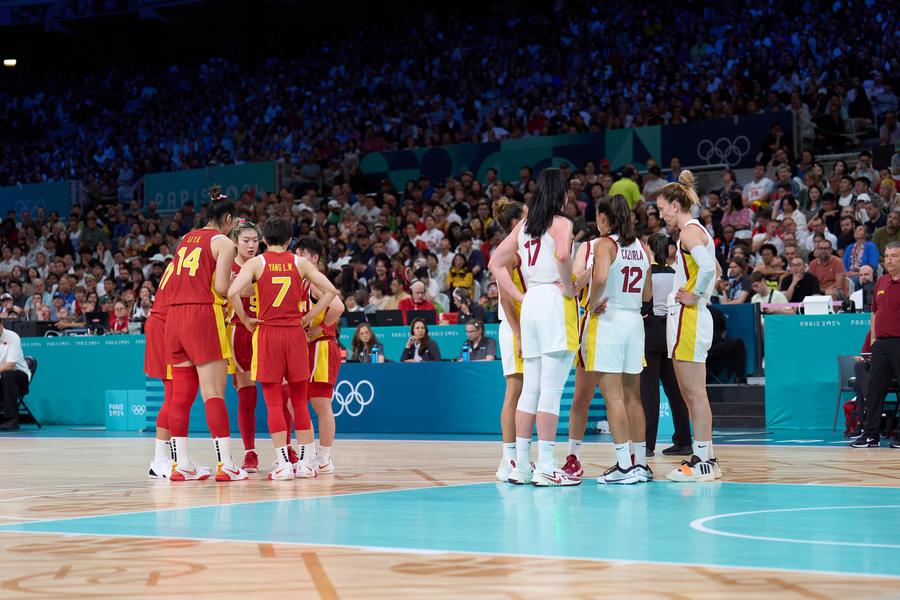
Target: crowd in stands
585, 67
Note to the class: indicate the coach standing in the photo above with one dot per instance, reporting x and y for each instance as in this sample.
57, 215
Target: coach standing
885, 347
14, 376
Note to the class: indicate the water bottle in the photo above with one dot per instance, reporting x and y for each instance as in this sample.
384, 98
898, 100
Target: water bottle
374, 355
466, 349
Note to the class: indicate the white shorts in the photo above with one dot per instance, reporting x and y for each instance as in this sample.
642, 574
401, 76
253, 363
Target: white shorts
689, 331
549, 322
512, 362
613, 342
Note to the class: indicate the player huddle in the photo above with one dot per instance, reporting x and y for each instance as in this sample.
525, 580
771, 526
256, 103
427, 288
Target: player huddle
271, 319
541, 334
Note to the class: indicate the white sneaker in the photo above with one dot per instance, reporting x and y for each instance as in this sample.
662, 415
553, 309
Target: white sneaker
554, 478
190, 471
505, 470
324, 468
693, 470
160, 469
230, 472
644, 473
520, 476
283, 472
717, 470
304, 470
616, 475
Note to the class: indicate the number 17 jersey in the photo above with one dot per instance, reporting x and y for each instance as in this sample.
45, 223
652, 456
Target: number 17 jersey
281, 301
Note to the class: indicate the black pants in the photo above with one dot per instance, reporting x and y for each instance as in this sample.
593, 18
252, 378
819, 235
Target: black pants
660, 367
12, 383
726, 358
861, 386
885, 363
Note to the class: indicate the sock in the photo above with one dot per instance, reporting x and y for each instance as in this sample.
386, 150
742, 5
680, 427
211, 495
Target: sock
163, 450
185, 384
711, 453
281, 456
509, 452
623, 455
180, 452
575, 447
523, 453
324, 454
701, 449
247, 416
223, 450
546, 461
308, 453
640, 453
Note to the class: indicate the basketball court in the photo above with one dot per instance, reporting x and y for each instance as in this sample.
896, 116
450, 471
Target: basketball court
800, 518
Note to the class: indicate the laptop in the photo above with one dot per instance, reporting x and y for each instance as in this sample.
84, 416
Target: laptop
97, 320
355, 318
388, 317
429, 316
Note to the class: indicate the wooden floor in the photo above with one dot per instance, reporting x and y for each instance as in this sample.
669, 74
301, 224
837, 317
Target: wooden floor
62, 478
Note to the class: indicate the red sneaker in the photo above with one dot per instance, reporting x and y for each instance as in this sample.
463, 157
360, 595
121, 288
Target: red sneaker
292, 455
573, 467
251, 462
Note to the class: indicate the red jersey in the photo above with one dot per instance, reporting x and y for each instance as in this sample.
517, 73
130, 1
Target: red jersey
161, 301
280, 291
193, 281
249, 302
328, 331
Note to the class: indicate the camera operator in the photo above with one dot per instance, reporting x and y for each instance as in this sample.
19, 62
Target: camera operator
468, 309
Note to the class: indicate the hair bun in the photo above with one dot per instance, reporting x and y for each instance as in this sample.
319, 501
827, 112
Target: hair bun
686, 178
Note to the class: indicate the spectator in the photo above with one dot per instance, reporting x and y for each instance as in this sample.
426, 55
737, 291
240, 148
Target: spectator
817, 226
756, 193
860, 252
14, 376
417, 300
763, 294
799, 283
460, 275
118, 320
736, 214
398, 294
8, 310
377, 298
480, 347
736, 284
363, 343
15, 290
474, 258
865, 290
420, 347
467, 308
628, 187
889, 233
829, 270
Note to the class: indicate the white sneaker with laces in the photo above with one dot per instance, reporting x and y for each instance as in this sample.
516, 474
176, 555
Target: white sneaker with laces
616, 475
644, 473
230, 472
304, 470
160, 469
324, 466
717, 470
520, 476
505, 470
693, 470
283, 472
554, 478
189, 471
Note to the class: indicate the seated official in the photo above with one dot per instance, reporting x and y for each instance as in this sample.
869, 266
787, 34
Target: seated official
14, 377
480, 347
420, 347
363, 343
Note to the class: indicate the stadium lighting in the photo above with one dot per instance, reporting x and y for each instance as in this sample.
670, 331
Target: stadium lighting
9, 62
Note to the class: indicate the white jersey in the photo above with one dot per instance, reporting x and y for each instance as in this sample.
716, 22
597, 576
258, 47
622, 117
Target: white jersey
627, 275
686, 269
538, 258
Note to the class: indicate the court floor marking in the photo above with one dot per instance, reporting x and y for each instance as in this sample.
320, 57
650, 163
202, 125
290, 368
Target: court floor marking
434, 552
700, 525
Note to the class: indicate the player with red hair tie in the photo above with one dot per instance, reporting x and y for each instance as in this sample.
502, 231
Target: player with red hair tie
197, 341
279, 340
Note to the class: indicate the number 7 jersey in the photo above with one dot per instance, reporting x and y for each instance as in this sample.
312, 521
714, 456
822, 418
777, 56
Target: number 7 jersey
280, 290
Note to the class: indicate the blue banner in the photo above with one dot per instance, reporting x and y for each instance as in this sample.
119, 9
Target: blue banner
51, 196
801, 366
171, 190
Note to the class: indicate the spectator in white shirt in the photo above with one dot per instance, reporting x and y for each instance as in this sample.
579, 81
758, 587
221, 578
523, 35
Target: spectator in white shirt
445, 258
757, 192
14, 376
432, 236
817, 225
763, 294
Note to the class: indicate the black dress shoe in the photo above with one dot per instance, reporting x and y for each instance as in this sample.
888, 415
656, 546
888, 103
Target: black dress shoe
678, 451
896, 443
650, 453
11, 425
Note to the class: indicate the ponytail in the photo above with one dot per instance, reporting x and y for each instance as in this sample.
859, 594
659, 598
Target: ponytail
683, 192
505, 210
615, 209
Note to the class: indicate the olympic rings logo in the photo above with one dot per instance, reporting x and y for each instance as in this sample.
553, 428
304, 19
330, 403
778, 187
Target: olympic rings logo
352, 399
724, 150
138, 409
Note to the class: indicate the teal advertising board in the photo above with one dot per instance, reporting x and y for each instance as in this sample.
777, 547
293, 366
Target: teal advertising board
171, 190
801, 366
51, 196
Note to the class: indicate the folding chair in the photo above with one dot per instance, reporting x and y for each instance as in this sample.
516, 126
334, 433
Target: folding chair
25, 414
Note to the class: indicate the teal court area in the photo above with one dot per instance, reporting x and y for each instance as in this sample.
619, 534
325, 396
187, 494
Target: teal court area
844, 530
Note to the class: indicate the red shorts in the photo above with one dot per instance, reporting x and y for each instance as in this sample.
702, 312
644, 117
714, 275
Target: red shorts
241, 347
196, 333
279, 354
324, 364
155, 364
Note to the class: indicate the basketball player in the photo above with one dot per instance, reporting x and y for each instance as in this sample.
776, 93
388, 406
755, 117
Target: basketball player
612, 347
689, 325
197, 340
246, 236
508, 213
279, 342
324, 360
548, 324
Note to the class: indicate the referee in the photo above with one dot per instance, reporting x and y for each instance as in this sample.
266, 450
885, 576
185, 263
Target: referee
659, 365
885, 338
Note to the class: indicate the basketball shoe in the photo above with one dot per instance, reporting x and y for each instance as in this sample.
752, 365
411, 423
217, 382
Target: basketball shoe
693, 470
717, 470
284, 472
160, 469
304, 470
616, 475
324, 465
644, 473
251, 461
505, 470
521, 476
188, 472
573, 466
230, 473
554, 478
